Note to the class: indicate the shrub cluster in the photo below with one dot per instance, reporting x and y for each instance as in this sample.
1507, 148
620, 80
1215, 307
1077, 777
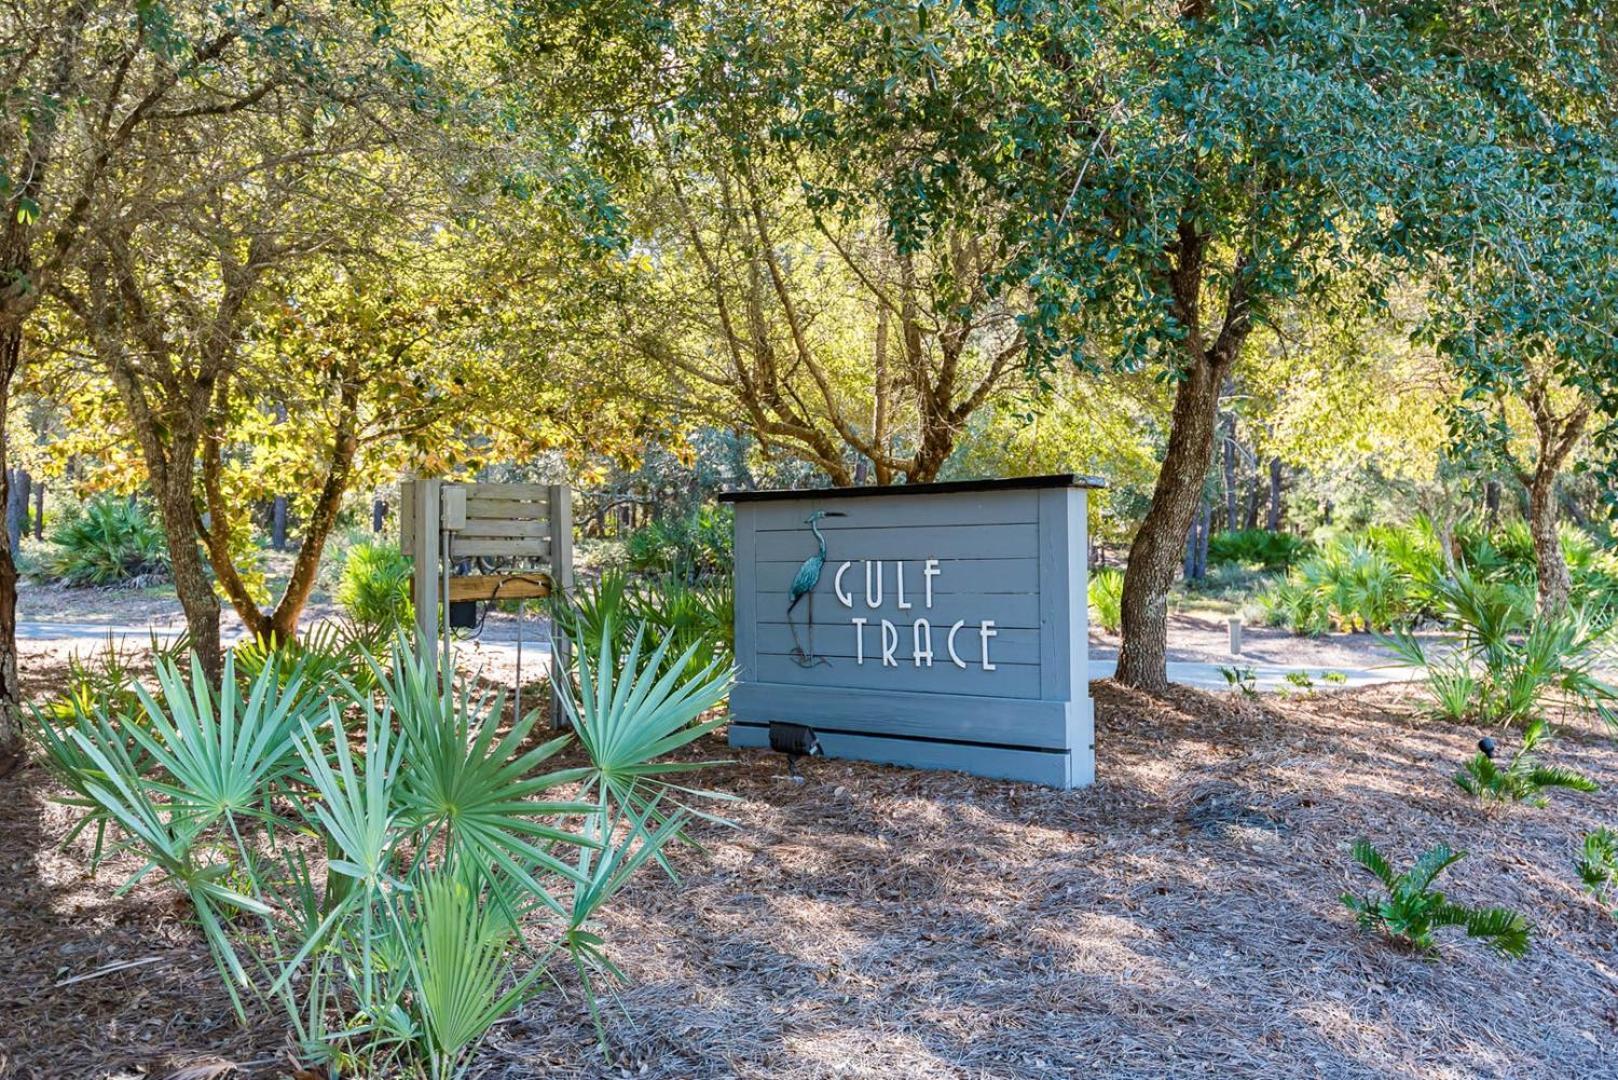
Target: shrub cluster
109, 541
693, 546
1257, 548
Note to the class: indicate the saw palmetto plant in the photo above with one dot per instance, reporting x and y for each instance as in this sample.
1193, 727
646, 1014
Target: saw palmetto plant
1526, 778
1505, 667
1411, 910
394, 870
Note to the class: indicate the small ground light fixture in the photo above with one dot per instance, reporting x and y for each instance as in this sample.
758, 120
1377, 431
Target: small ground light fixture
795, 741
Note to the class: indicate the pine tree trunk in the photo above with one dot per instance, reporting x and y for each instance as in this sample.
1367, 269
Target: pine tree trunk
1274, 519
1156, 552
39, 510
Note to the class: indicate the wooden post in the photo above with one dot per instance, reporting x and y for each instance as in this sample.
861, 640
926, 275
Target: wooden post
424, 543
560, 515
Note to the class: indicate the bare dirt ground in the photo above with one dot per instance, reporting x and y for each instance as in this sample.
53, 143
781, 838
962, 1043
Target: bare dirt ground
1180, 918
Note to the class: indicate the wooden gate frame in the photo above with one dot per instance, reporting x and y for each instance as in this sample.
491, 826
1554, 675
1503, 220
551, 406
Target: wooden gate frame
486, 520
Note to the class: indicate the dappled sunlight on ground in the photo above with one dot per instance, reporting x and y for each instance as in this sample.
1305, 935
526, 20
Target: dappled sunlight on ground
1180, 918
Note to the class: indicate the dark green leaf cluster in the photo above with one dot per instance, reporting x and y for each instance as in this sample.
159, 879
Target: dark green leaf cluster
1597, 863
1411, 910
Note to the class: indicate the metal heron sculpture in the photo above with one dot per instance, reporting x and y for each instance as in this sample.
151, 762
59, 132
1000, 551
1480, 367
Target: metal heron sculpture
803, 584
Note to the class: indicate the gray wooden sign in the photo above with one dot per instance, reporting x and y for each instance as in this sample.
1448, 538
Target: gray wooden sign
932, 625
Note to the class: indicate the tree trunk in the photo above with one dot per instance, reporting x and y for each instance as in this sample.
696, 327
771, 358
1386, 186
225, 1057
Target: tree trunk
1554, 582
1557, 437
176, 505
1274, 520
379, 514
16, 507
278, 508
12, 749
278, 523
1153, 557
1229, 440
1203, 535
1491, 502
1255, 496
1188, 567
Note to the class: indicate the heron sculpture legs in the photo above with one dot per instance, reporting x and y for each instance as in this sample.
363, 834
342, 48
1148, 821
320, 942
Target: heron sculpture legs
801, 656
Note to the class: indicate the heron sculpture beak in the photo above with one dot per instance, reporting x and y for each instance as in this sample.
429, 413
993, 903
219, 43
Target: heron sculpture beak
835, 513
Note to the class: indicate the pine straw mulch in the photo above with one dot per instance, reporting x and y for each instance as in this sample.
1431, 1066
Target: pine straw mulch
1179, 918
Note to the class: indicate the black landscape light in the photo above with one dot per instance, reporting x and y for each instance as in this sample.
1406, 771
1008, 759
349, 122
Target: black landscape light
1486, 744
795, 741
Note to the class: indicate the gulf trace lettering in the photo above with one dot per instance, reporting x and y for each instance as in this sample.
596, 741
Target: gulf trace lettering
871, 582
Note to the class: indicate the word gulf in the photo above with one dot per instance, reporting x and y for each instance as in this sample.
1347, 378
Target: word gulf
877, 582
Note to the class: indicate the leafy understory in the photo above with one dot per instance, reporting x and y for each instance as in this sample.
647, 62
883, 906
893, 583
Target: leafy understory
1412, 910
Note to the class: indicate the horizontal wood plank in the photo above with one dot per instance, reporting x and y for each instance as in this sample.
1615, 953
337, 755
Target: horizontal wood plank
942, 677
970, 717
1005, 610
509, 492
499, 586
493, 548
930, 511
480, 527
503, 509
988, 575
958, 542
836, 642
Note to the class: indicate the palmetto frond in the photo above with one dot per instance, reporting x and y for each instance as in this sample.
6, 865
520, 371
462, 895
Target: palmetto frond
1597, 863
626, 719
220, 756
476, 790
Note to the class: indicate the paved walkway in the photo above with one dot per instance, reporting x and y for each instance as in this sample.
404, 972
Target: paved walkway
86, 637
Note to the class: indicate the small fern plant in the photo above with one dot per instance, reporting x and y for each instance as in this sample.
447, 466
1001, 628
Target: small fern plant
1597, 863
1525, 778
1413, 910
